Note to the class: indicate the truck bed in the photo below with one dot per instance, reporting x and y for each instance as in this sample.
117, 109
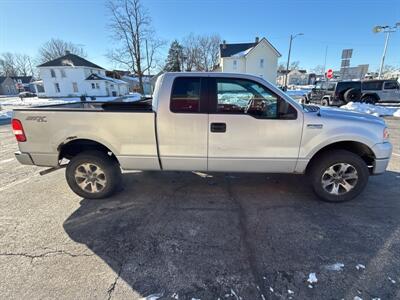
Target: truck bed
127, 129
138, 106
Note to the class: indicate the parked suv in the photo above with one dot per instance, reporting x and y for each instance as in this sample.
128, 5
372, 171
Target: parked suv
340, 92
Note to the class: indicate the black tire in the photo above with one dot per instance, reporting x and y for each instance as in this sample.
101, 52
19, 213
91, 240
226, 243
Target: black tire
352, 95
325, 102
334, 159
369, 99
103, 186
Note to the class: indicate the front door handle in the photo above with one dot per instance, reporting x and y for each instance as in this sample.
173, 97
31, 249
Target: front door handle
218, 127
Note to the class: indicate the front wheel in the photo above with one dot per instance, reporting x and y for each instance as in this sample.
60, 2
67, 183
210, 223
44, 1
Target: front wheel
93, 175
339, 176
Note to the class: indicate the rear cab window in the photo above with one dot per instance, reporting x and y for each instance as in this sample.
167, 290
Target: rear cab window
187, 95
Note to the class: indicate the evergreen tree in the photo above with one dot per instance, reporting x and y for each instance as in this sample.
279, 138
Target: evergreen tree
173, 63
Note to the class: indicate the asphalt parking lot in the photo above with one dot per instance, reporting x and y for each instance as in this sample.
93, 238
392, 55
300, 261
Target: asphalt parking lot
196, 236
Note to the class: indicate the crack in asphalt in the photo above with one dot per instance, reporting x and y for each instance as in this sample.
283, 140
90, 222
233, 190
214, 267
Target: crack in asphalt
112, 286
244, 237
45, 254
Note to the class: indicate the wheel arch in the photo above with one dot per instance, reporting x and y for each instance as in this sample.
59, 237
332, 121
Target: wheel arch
358, 148
375, 95
73, 147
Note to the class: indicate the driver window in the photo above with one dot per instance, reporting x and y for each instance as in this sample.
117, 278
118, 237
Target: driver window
318, 85
239, 96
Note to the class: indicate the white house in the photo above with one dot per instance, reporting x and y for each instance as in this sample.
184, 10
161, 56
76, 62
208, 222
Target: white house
73, 76
259, 58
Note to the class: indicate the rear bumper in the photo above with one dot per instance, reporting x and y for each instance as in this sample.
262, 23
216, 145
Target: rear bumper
37, 159
23, 158
382, 152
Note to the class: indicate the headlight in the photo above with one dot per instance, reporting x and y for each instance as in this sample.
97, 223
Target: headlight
385, 133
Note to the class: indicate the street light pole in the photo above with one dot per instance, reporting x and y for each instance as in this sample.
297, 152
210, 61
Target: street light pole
292, 37
384, 53
387, 30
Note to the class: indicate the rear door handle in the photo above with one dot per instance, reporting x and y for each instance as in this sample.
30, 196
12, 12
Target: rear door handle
218, 127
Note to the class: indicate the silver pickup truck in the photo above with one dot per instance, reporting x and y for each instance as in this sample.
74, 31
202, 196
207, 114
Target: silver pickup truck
214, 122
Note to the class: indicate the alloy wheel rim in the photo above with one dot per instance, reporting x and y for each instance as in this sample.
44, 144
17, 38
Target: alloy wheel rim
90, 178
339, 179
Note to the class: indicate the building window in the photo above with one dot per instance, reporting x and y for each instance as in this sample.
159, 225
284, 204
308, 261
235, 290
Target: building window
57, 87
53, 74
19, 80
63, 73
75, 87
97, 86
235, 64
93, 86
262, 63
91, 71
111, 86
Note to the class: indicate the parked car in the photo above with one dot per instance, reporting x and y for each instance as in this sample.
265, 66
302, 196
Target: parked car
26, 94
215, 122
337, 93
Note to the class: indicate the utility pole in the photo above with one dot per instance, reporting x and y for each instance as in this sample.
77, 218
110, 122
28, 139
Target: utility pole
292, 37
326, 54
387, 30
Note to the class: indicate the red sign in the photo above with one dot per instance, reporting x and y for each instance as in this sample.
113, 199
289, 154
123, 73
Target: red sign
329, 73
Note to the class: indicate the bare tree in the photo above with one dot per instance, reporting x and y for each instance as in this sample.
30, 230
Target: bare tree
201, 53
137, 45
8, 64
56, 48
15, 64
23, 64
294, 65
319, 70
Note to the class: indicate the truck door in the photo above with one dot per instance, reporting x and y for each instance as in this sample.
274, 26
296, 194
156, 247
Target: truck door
182, 122
251, 129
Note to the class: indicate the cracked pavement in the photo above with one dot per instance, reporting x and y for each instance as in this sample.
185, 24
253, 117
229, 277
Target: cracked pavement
228, 236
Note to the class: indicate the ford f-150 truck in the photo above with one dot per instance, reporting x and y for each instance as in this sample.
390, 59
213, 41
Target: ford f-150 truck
216, 122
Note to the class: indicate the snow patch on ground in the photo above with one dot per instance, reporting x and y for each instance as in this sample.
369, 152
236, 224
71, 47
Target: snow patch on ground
375, 110
360, 266
5, 114
312, 278
335, 267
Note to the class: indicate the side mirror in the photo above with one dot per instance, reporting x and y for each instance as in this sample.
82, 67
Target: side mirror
313, 89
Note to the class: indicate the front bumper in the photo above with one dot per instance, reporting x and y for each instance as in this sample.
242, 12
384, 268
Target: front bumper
23, 158
382, 152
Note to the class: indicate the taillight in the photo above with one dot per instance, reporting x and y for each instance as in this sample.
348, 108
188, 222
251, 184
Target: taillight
18, 130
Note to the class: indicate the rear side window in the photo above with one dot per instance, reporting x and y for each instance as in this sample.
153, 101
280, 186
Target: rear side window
185, 97
391, 85
372, 85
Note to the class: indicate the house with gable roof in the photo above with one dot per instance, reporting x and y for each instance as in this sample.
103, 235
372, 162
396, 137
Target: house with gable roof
259, 58
72, 76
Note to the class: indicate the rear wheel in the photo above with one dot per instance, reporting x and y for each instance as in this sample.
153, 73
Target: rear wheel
369, 99
339, 176
352, 95
93, 175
